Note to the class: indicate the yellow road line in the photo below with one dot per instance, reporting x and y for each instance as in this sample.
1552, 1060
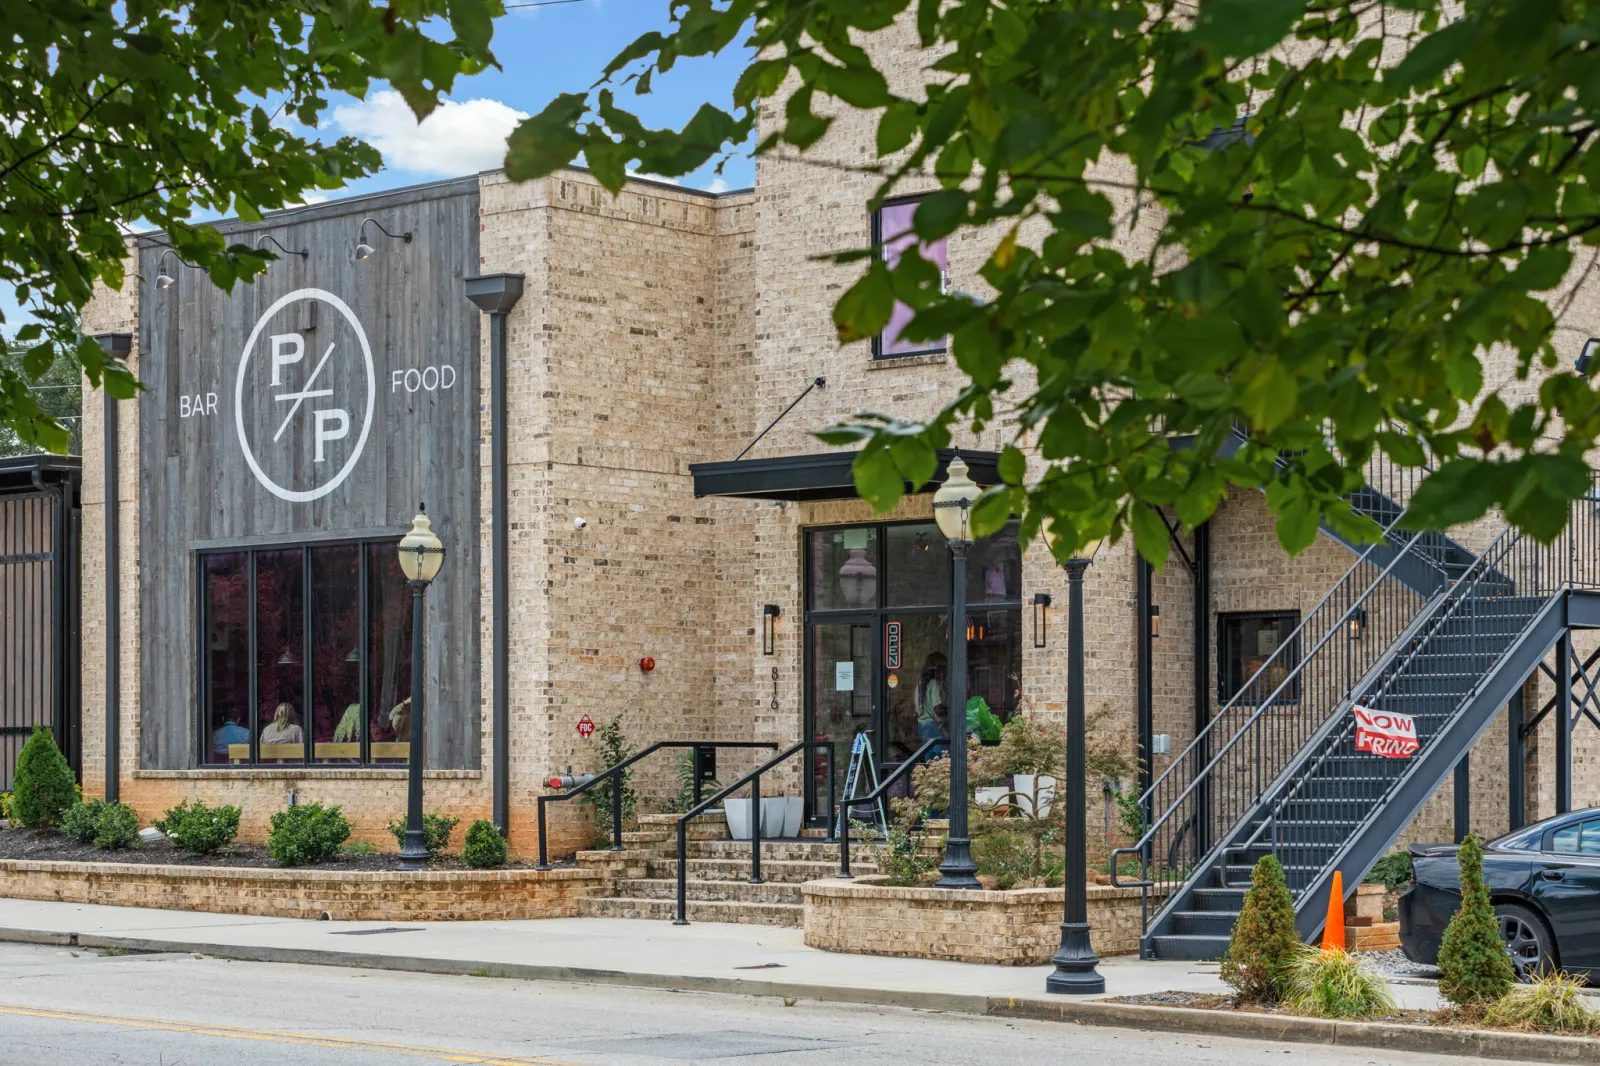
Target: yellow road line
270, 1036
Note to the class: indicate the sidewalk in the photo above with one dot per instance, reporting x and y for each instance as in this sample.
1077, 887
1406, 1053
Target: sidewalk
739, 959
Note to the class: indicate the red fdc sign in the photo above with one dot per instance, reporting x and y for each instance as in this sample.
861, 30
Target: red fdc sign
586, 727
1385, 733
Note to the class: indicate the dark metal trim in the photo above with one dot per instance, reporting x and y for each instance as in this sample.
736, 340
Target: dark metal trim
1462, 782
817, 475
1202, 674
1516, 788
816, 383
113, 579
1146, 695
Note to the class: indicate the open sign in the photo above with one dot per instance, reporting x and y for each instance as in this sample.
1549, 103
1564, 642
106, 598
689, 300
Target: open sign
1385, 733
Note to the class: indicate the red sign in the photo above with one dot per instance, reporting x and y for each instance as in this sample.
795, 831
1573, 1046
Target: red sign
891, 645
586, 727
1393, 736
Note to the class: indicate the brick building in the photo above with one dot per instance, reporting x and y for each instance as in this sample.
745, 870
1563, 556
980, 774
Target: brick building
262, 630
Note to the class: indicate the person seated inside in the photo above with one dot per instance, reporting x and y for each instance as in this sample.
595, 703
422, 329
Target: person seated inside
230, 733
284, 728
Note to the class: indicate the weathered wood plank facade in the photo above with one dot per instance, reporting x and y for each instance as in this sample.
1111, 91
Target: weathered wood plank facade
224, 375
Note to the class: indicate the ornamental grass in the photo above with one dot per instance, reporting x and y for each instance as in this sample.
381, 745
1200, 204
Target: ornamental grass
1333, 984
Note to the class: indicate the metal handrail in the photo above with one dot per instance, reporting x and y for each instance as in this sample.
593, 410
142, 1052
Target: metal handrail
614, 772
876, 796
753, 779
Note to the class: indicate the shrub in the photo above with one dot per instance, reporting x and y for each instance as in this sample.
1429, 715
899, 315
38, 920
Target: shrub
1392, 872
1264, 942
198, 829
683, 801
108, 826
899, 853
1332, 984
5, 805
307, 834
43, 787
485, 847
1474, 968
436, 830
80, 820
1551, 1003
614, 748
117, 827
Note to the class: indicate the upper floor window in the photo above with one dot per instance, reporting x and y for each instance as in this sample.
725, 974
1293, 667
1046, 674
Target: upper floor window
1252, 659
893, 237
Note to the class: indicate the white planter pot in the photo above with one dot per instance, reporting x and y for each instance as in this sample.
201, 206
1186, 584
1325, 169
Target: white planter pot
1024, 785
794, 812
738, 814
989, 795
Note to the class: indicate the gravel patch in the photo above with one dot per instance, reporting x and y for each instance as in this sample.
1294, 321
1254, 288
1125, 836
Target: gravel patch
1395, 964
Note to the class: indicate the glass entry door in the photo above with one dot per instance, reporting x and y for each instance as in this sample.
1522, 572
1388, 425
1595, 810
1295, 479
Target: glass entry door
843, 692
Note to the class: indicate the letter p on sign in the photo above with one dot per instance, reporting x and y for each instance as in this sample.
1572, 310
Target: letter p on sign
286, 348
326, 431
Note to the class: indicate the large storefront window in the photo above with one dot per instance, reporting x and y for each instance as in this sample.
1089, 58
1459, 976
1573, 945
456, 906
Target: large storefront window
878, 638
307, 656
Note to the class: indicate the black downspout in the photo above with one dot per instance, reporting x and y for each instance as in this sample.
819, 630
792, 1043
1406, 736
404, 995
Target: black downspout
1202, 678
1143, 571
117, 346
496, 295
1515, 788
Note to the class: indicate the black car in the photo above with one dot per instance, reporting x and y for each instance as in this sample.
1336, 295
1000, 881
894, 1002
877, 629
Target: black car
1545, 883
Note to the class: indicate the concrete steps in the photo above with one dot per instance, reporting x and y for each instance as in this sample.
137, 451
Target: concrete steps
711, 891
780, 914
791, 872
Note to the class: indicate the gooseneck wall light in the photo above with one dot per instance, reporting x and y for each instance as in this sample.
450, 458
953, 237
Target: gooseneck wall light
365, 250
952, 510
303, 253
163, 279
421, 556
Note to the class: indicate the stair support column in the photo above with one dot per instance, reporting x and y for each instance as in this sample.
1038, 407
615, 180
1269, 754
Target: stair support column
1564, 723
1463, 797
1516, 788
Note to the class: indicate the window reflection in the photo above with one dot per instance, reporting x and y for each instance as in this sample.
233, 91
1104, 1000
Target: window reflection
280, 655
389, 651
225, 706
336, 653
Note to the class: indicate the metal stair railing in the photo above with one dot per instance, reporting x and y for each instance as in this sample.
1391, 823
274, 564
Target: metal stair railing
1489, 609
876, 796
1258, 733
613, 773
753, 779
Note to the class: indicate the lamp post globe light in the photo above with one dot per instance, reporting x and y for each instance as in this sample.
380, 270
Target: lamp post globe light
952, 510
421, 556
1075, 961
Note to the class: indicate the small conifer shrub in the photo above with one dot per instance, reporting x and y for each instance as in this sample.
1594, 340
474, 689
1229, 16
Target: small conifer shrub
43, 788
485, 847
1264, 942
1474, 967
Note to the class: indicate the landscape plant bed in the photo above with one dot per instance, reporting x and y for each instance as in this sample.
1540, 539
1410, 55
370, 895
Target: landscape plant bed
49, 845
1446, 1018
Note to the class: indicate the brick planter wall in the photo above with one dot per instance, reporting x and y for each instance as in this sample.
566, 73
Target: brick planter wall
1018, 928
344, 895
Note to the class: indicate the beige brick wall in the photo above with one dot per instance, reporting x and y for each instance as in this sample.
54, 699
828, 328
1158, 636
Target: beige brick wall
440, 895
1022, 928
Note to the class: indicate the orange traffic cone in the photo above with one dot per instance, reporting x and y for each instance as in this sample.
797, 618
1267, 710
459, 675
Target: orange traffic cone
1333, 932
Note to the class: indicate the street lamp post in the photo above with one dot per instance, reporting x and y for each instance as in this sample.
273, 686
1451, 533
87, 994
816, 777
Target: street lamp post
421, 556
952, 509
1075, 960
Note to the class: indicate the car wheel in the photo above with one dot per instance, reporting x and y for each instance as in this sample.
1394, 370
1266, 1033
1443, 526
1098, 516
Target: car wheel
1527, 939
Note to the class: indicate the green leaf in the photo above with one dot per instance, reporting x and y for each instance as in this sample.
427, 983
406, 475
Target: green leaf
877, 480
1433, 54
1150, 535
938, 214
1245, 27
864, 310
1012, 465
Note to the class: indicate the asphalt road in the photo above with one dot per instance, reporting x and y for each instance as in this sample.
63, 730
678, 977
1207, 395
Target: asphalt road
61, 1007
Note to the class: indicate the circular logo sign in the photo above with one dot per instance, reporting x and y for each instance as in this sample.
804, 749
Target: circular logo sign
304, 382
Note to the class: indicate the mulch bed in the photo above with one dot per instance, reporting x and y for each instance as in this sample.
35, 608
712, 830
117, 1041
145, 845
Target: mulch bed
1447, 1018
52, 846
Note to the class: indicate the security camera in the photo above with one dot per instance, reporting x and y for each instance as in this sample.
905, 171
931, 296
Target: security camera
579, 523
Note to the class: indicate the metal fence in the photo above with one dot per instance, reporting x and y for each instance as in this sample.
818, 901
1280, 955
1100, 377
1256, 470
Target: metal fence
38, 613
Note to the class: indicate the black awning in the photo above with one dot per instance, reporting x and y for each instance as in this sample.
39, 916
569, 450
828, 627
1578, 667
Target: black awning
17, 472
817, 476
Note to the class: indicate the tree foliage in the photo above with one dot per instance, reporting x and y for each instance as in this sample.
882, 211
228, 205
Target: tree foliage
1343, 207
1474, 967
156, 111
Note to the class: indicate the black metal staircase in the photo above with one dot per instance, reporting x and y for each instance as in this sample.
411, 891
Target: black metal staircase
1419, 625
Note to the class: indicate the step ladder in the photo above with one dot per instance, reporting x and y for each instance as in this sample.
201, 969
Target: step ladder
860, 756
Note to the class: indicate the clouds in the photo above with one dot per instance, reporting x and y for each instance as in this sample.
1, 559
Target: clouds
458, 138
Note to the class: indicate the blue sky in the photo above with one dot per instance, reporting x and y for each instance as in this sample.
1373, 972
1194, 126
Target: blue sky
543, 51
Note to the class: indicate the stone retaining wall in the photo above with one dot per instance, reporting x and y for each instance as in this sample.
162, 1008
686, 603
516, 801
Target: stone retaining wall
1017, 928
372, 895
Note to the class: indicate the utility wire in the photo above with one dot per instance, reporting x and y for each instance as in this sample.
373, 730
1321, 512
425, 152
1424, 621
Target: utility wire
543, 3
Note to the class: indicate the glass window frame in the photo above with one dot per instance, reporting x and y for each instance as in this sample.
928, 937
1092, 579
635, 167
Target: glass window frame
876, 216
364, 623
1225, 692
